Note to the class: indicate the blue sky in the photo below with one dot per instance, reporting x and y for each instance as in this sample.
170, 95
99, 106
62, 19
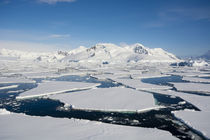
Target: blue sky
178, 26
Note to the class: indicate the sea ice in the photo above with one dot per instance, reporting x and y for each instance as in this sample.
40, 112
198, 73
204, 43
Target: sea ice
202, 102
110, 76
134, 83
4, 112
198, 87
40, 74
199, 120
196, 79
55, 87
4, 80
108, 99
8, 87
188, 71
22, 127
139, 85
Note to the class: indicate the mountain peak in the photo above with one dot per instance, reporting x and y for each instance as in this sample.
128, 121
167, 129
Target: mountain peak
139, 48
111, 53
138, 44
105, 45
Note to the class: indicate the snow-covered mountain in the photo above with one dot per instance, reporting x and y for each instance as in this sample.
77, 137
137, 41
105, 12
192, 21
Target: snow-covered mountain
35, 56
105, 53
200, 61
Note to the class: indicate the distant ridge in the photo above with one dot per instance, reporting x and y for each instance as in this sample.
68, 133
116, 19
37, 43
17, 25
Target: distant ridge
111, 53
102, 53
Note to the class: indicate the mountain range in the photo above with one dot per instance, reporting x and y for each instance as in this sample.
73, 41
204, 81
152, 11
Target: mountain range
102, 53
106, 53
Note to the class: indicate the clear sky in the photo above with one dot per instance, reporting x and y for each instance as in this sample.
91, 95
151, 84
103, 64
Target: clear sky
178, 26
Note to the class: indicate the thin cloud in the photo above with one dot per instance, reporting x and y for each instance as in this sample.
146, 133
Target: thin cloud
27, 46
55, 1
32, 36
59, 36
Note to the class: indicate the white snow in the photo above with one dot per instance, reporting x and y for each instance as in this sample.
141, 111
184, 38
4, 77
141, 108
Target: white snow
198, 87
4, 80
55, 87
48, 74
147, 75
8, 87
139, 85
30, 55
108, 99
199, 120
190, 71
196, 79
111, 76
111, 53
96, 55
126, 65
22, 127
200, 63
134, 83
8, 58
4, 112
202, 102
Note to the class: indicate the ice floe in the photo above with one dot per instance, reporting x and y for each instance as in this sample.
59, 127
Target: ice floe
199, 120
139, 85
108, 99
4, 112
197, 87
22, 127
41, 74
202, 102
196, 79
8, 87
133, 83
54, 87
4, 80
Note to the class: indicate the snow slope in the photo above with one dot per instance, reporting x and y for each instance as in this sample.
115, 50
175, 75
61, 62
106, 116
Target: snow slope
106, 53
100, 54
38, 56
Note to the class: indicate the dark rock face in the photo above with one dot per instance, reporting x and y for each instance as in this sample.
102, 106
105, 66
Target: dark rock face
182, 64
140, 50
64, 53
